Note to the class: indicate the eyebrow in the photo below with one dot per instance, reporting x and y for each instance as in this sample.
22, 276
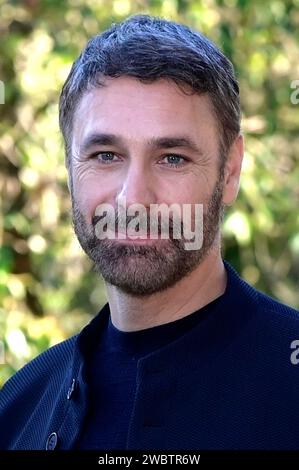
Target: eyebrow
158, 143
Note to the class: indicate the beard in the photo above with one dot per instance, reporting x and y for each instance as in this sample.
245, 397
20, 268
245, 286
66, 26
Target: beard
143, 270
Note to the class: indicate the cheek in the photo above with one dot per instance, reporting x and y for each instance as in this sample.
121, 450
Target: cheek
188, 191
89, 190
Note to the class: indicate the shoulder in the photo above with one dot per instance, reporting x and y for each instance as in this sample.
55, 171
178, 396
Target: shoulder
277, 327
29, 398
281, 311
258, 302
267, 329
274, 312
264, 328
49, 366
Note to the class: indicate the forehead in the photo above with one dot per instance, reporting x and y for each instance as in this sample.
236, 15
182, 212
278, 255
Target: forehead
141, 111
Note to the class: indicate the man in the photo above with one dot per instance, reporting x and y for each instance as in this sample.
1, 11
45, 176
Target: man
185, 355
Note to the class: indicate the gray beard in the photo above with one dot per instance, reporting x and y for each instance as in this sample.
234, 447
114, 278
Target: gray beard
141, 270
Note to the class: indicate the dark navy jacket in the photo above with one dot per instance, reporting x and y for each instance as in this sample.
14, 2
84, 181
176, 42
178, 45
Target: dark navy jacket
229, 383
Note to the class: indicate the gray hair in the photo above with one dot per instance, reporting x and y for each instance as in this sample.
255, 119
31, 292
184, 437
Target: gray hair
150, 48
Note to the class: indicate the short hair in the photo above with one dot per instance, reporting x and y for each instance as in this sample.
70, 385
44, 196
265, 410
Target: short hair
150, 48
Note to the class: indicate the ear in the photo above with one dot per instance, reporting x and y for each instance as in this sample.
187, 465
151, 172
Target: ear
232, 171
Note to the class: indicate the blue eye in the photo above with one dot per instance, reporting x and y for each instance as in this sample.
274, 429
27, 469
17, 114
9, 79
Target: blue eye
106, 156
174, 160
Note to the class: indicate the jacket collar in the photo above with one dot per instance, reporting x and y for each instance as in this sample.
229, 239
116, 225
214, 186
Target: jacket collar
204, 342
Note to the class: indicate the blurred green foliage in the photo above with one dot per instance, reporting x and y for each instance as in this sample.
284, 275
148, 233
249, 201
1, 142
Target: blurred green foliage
47, 290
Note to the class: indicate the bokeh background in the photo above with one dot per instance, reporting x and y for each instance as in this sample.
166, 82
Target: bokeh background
47, 288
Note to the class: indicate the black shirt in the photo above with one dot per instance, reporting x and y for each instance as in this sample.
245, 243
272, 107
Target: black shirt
112, 374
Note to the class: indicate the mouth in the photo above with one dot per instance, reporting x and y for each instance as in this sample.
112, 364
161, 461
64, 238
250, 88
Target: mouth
139, 238
131, 236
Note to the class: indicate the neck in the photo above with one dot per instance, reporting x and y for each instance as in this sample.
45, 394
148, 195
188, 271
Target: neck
200, 287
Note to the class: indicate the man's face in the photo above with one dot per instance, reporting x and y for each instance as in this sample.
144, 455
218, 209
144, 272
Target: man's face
147, 144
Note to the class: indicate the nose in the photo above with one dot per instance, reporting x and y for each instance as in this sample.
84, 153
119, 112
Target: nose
138, 186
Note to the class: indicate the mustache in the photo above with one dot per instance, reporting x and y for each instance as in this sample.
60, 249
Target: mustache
143, 224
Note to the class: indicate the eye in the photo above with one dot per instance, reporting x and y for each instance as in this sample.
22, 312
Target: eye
105, 157
174, 160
